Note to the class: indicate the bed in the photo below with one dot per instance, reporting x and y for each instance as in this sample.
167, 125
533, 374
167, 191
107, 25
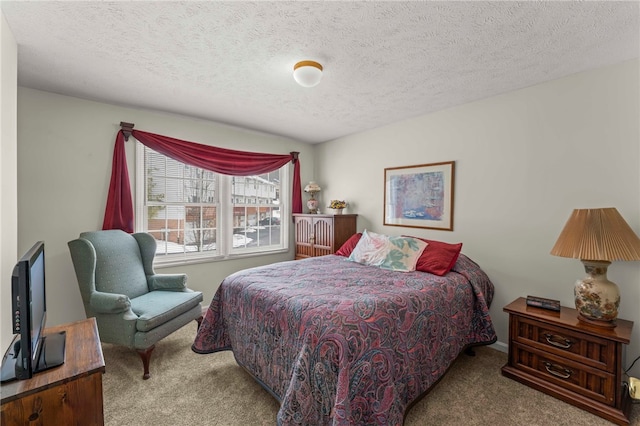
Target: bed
341, 343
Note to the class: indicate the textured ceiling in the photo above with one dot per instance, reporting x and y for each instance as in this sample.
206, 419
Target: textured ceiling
231, 62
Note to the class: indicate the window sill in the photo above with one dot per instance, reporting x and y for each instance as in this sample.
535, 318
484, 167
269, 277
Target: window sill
210, 259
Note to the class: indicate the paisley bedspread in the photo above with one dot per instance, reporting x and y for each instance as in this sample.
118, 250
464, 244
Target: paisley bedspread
340, 343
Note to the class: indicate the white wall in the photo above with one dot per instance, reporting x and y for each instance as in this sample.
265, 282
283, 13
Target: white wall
524, 161
65, 148
8, 173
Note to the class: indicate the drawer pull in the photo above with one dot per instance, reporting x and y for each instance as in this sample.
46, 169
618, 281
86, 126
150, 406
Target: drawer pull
554, 370
558, 341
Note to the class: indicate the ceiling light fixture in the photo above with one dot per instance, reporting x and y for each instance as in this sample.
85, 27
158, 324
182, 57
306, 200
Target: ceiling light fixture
307, 73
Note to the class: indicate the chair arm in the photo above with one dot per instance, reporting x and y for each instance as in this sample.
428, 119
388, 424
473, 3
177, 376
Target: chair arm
109, 303
119, 328
170, 282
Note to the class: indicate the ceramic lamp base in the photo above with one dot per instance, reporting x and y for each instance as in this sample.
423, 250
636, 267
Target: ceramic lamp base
597, 299
312, 205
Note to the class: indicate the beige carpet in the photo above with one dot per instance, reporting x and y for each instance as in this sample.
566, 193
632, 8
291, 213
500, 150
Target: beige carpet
190, 389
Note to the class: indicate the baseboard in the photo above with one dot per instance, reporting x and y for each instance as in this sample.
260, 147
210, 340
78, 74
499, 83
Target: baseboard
500, 346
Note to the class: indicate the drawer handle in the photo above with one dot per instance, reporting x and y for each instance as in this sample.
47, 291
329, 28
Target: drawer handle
558, 341
553, 370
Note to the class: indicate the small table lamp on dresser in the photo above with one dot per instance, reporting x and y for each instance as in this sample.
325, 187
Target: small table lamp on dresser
597, 237
312, 204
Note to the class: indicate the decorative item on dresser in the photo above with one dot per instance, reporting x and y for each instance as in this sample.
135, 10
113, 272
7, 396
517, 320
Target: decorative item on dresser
321, 234
337, 206
597, 237
312, 204
571, 360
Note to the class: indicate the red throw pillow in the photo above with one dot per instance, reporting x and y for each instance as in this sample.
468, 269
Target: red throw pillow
439, 257
349, 245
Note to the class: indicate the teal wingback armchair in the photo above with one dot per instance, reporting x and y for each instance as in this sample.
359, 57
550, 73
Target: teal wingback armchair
133, 306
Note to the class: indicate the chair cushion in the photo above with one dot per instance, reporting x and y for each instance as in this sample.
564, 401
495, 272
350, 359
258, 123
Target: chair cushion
157, 307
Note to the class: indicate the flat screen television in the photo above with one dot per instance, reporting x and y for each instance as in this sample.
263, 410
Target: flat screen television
30, 351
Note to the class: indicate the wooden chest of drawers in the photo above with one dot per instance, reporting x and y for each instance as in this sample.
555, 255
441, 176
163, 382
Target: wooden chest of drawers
580, 364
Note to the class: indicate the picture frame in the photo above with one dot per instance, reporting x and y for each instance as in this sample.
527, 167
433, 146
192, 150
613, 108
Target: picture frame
420, 196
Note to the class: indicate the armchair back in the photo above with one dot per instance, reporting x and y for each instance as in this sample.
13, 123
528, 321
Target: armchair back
118, 263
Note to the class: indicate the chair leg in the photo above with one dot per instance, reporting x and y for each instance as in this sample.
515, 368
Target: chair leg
145, 355
199, 319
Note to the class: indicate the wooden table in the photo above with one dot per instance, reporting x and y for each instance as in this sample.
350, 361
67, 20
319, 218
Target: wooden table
70, 394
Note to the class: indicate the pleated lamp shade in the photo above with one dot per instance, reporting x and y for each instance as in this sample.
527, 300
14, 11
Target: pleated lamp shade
597, 237
597, 234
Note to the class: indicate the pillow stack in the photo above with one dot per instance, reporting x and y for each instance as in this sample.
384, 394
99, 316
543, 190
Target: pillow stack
435, 257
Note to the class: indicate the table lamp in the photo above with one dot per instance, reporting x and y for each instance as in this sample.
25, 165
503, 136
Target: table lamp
312, 204
597, 237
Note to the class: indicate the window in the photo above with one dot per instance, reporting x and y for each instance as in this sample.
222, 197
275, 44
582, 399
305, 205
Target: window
196, 214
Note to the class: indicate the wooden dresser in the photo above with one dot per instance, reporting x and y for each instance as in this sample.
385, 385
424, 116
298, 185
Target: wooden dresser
70, 394
322, 234
559, 355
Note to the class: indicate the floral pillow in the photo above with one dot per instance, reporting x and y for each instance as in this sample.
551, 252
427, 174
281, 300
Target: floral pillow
393, 253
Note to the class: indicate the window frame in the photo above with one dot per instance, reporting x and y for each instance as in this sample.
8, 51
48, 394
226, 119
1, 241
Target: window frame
224, 241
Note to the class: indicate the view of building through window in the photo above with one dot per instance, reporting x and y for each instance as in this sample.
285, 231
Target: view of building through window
184, 209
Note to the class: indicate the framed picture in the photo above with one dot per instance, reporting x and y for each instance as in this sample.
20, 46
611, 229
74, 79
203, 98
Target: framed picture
419, 196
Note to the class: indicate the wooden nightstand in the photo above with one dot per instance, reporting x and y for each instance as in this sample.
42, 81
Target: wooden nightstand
557, 354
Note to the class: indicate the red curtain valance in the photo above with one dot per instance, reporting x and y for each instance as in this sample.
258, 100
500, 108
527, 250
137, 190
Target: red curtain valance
119, 210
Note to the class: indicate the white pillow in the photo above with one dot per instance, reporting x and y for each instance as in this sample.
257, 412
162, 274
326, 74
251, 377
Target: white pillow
393, 253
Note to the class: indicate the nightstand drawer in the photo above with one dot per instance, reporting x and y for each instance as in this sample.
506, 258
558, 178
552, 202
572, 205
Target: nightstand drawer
579, 347
593, 383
